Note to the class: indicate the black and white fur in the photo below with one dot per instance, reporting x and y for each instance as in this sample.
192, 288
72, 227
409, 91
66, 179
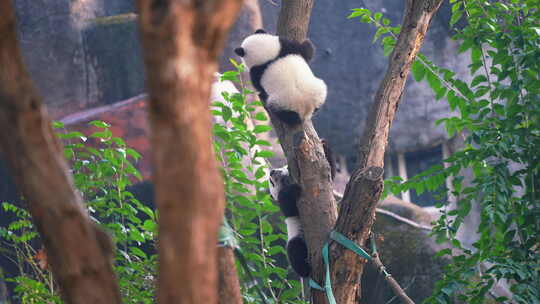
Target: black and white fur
279, 71
287, 193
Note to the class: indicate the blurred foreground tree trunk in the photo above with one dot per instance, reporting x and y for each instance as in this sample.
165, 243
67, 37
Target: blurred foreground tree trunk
79, 253
229, 286
310, 169
181, 41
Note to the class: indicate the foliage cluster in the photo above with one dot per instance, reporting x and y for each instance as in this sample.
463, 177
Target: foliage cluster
102, 170
102, 167
498, 114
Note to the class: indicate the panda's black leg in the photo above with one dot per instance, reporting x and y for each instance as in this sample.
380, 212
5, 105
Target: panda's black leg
287, 198
297, 252
289, 117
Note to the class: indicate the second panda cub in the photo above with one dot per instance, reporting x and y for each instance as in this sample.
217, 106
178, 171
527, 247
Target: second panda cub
286, 194
279, 71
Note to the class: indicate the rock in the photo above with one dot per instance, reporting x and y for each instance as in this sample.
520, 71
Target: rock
113, 59
52, 50
407, 252
85, 54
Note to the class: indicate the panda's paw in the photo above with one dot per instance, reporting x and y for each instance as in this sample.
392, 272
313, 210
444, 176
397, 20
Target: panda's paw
288, 117
297, 252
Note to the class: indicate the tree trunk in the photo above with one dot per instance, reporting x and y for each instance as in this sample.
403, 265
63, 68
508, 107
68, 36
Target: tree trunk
293, 20
181, 41
229, 287
357, 212
79, 253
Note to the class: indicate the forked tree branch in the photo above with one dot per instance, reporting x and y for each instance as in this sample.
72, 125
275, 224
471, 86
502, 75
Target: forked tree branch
363, 192
79, 253
306, 160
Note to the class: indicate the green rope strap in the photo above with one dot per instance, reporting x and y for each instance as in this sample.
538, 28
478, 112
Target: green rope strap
345, 242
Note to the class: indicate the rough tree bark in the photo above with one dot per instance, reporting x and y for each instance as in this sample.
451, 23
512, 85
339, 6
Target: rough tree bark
309, 168
79, 253
181, 41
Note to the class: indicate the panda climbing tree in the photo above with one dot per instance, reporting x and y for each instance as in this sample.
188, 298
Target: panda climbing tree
286, 193
304, 150
279, 71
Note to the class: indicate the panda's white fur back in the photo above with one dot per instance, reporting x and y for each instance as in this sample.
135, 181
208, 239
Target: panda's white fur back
291, 85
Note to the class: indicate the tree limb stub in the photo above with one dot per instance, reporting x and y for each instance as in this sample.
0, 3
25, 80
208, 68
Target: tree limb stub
181, 41
82, 267
357, 209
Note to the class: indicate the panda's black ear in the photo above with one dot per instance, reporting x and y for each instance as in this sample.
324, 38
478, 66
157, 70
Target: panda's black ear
307, 50
260, 31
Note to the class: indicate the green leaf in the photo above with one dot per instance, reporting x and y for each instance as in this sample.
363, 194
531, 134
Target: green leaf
265, 154
57, 124
418, 70
380, 31
138, 252
226, 113
477, 80
99, 124
262, 142
440, 93
433, 81
261, 129
456, 16
260, 116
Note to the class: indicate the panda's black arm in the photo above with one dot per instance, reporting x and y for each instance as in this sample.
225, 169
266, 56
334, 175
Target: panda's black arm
255, 73
307, 50
304, 49
287, 198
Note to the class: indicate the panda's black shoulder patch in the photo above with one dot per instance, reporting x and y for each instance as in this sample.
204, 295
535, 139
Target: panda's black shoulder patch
287, 199
289, 47
256, 73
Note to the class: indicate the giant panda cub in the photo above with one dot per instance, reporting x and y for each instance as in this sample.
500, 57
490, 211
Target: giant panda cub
286, 193
279, 71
